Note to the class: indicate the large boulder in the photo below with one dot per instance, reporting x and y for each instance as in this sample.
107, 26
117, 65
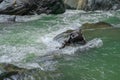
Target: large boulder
73, 37
103, 5
70, 37
91, 5
30, 7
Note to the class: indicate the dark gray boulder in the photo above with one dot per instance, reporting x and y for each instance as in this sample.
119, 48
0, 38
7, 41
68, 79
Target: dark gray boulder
12, 72
70, 37
91, 5
30, 7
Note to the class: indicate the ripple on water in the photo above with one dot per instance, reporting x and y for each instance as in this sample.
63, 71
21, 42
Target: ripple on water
42, 32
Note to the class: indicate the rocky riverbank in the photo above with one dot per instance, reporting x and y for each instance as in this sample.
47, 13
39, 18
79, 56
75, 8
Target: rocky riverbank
31, 7
91, 5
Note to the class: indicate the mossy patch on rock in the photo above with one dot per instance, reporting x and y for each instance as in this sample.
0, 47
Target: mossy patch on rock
97, 25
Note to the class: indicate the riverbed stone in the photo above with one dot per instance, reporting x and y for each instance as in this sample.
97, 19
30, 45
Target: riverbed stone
10, 71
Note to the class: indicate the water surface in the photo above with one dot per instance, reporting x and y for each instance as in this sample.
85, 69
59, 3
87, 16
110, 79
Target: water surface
24, 42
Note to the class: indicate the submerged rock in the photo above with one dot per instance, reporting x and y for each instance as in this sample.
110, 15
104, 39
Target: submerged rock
97, 25
12, 72
70, 37
75, 38
30, 7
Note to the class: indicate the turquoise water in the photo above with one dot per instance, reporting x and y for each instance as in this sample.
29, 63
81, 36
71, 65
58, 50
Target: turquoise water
24, 42
96, 64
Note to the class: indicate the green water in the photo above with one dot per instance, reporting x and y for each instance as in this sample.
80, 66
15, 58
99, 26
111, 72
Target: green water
96, 64
24, 42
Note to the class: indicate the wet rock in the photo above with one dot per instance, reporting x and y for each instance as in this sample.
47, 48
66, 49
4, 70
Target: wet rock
7, 75
7, 18
69, 7
70, 37
12, 72
91, 5
30, 7
103, 5
69, 4
1, 1
10, 67
97, 25
75, 4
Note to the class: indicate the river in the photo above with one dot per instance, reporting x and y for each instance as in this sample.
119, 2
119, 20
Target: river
23, 43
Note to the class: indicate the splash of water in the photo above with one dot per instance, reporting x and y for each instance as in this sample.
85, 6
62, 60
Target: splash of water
42, 38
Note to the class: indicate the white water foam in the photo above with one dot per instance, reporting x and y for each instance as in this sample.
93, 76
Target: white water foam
72, 20
95, 43
17, 54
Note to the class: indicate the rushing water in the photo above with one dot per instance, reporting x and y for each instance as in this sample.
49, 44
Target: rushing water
22, 44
